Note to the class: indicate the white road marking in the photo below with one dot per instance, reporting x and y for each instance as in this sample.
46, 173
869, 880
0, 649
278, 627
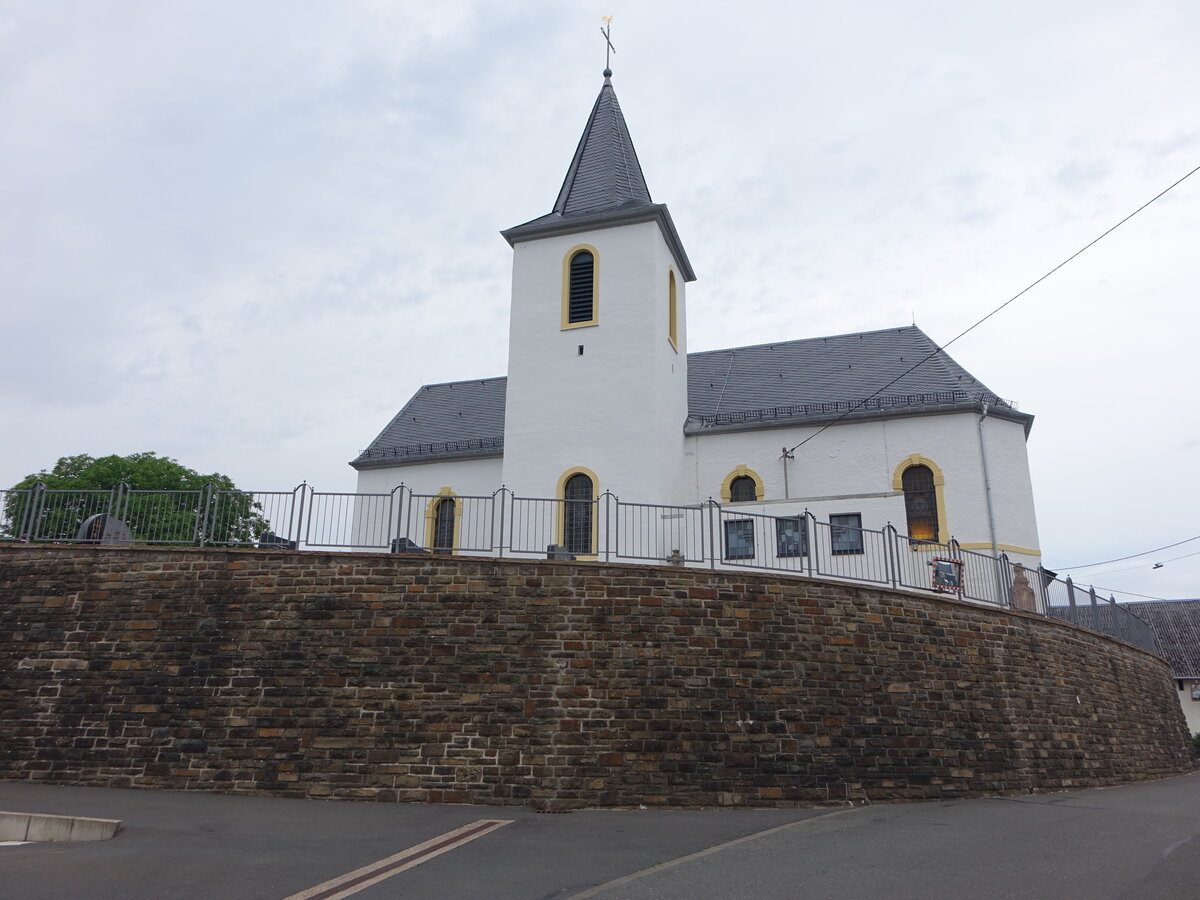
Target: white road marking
699, 854
373, 873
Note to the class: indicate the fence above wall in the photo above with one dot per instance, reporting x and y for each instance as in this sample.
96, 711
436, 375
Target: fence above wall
608, 529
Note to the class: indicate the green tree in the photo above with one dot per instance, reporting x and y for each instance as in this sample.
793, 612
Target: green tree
160, 500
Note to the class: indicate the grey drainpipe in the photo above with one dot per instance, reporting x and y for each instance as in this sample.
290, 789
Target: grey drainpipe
987, 484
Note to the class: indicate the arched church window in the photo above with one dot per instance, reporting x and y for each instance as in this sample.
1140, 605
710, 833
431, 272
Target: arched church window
743, 488
443, 526
920, 503
672, 310
577, 514
581, 305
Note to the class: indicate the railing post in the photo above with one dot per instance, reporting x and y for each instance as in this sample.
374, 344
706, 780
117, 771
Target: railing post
1043, 591
891, 552
39, 510
395, 527
206, 502
116, 497
1070, 592
712, 531
25, 526
300, 523
504, 507
1005, 574
1122, 618
607, 523
810, 540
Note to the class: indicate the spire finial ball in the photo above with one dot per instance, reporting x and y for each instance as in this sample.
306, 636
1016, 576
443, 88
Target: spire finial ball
608, 73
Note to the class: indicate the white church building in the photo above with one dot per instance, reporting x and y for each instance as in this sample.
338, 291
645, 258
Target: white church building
602, 398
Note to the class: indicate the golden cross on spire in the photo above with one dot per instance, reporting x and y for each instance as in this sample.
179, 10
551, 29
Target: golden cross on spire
609, 48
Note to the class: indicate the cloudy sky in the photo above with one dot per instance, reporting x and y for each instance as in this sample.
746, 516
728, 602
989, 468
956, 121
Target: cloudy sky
242, 234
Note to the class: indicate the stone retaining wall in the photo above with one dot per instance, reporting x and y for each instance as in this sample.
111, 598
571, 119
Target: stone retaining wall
549, 683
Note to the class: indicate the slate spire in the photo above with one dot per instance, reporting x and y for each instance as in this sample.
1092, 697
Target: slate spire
605, 173
604, 187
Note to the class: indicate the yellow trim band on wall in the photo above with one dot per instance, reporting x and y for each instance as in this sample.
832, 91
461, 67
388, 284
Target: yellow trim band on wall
1007, 548
431, 509
939, 493
566, 287
740, 471
560, 524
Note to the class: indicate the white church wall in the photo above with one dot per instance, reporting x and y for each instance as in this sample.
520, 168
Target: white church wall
466, 477
617, 406
411, 515
1012, 489
849, 468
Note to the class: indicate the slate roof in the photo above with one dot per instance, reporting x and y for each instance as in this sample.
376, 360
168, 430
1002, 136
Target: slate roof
821, 378
604, 186
605, 172
1176, 624
442, 421
807, 382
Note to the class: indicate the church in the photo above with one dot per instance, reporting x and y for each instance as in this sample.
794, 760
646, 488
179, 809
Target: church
602, 398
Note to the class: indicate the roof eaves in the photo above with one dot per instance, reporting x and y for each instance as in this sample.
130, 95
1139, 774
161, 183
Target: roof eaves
409, 454
392, 462
554, 224
759, 419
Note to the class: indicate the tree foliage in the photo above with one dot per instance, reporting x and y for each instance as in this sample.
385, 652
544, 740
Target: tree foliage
160, 500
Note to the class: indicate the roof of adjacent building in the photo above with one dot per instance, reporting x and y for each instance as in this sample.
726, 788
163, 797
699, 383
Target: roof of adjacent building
864, 375
604, 186
1176, 624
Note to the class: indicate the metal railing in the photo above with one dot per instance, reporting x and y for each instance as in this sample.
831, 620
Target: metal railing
607, 528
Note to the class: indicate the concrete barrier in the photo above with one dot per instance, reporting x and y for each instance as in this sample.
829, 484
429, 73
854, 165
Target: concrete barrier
20, 826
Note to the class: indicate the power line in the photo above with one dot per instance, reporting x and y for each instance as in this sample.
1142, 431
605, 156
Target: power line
1143, 565
1133, 556
1129, 594
1015, 296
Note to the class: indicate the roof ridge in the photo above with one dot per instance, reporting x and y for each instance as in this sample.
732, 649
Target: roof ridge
462, 381
812, 340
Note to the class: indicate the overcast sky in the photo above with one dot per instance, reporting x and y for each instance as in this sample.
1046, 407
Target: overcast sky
242, 234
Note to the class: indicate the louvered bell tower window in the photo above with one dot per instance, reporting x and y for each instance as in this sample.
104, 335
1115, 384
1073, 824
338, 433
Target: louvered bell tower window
581, 293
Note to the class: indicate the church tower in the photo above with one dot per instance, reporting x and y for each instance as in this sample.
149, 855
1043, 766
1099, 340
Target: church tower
597, 359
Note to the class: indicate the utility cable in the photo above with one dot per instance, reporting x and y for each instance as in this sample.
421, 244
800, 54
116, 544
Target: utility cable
1015, 296
1133, 556
1157, 565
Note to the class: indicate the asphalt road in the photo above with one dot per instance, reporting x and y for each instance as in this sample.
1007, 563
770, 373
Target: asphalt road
1128, 842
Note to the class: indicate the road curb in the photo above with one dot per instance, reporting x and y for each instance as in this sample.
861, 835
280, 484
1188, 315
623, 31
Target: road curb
20, 826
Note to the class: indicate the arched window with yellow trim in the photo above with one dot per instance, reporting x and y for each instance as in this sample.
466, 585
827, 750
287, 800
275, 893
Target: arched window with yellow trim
742, 485
672, 310
920, 489
580, 287
443, 525
578, 508
443, 516
742, 489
